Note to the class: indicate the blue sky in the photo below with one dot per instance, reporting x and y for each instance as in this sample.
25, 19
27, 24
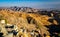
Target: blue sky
31, 3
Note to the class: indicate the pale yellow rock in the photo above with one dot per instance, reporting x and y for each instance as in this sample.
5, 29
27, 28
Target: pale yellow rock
9, 35
3, 21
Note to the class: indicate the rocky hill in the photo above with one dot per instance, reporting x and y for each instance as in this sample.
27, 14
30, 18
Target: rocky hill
28, 18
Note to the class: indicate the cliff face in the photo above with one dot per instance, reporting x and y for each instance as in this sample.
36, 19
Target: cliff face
30, 21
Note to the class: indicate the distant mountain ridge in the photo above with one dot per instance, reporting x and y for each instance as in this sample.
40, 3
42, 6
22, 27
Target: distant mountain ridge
28, 9
23, 9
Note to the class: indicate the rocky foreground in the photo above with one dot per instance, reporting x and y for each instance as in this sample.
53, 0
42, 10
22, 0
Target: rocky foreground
28, 23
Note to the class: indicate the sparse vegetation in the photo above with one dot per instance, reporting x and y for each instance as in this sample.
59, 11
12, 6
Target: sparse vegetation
28, 21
